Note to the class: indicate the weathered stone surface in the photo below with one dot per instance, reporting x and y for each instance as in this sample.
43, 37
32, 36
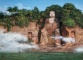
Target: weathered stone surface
79, 35
3, 29
33, 32
20, 30
44, 39
51, 27
76, 33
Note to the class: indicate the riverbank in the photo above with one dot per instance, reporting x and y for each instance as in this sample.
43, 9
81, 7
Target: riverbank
41, 56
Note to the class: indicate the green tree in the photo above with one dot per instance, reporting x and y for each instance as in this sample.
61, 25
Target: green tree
69, 6
10, 9
13, 9
36, 13
69, 23
7, 23
71, 12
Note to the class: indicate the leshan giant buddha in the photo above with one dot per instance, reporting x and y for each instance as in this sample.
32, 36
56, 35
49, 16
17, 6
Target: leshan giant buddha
52, 27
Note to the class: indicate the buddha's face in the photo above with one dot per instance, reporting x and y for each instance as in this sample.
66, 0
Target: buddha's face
52, 14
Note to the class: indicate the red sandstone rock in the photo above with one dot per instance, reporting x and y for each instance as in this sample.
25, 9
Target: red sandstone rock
44, 39
33, 30
51, 27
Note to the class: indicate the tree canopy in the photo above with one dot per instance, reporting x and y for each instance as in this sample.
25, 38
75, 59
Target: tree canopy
68, 14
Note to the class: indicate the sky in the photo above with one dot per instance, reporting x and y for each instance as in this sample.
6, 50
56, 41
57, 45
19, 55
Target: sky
41, 4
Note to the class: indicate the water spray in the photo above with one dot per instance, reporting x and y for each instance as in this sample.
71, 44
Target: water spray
10, 42
65, 39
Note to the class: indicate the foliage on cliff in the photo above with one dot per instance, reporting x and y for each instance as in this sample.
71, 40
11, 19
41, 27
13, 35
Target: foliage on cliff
69, 23
69, 15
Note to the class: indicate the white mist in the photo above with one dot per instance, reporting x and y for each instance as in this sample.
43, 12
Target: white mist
9, 42
65, 39
79, 49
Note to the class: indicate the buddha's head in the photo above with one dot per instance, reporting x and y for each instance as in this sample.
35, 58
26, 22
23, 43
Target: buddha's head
52, 14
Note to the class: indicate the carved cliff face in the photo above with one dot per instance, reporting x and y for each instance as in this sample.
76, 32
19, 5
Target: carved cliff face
50, 24
33, 32
52, 29
44, 38
32, 26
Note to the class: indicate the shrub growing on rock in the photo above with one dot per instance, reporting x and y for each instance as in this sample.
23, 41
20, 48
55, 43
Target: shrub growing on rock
69, 23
